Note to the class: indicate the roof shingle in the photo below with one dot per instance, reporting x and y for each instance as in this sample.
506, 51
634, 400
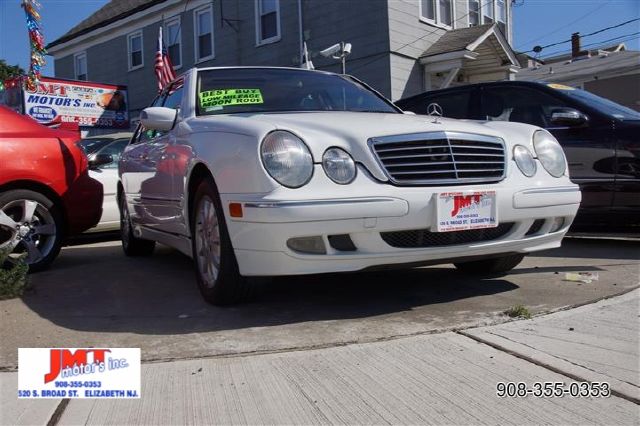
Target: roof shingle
455, 40
110, 12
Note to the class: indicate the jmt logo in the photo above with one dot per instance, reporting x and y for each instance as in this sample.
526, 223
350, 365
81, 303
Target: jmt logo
63, 358
462, 201
50, 89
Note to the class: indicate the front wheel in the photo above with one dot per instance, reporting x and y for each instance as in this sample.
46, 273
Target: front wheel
491, 266
217, 272
30, 227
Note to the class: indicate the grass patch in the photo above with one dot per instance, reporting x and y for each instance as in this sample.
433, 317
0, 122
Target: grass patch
518, 311
13, 276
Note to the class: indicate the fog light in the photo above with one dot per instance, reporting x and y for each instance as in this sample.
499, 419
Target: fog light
310, 245
558, 222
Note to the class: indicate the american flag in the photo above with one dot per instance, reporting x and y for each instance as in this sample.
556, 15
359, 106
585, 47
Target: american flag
164, 68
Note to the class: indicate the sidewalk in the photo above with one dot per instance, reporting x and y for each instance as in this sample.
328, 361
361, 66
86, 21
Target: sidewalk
426, 379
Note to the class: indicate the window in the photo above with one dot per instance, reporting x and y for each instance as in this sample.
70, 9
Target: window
174, 95
203, 23
80, 61
115, 151
267, 21
439, 12
487, 12
501, 15
453, 104
134, 45
173, 41
519, 104
501, 11
474, 13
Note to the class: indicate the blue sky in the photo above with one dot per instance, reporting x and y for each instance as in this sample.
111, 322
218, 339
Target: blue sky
536, 22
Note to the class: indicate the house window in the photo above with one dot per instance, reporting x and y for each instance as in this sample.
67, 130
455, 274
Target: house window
474, 13
487, 13
134, 45
173, 40
203, 23
439, 12
80, 61
501, 15
267, 21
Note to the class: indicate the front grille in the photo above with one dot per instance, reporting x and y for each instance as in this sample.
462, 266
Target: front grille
424, 238
440, 158
535, 227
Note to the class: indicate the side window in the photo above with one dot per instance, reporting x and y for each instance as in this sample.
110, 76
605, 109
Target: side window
174, 95
114, 149
141, 134
519, 104
454, 104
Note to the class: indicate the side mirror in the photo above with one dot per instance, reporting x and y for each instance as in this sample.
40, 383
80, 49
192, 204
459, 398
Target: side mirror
568, 117
98, 160
158, 118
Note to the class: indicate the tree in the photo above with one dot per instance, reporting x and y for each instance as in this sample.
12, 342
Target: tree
8, 71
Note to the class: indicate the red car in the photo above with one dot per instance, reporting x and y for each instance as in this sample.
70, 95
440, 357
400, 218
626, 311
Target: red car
46, 193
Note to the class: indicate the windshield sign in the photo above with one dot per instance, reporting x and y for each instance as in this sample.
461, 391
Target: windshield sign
601, 104
258, 90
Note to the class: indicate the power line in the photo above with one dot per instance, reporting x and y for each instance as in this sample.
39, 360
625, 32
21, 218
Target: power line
630, 35
564, 26
539, 48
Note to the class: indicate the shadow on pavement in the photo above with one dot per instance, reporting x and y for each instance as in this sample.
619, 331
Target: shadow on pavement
100, 290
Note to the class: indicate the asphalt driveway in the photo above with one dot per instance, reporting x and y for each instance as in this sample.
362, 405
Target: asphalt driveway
95, 296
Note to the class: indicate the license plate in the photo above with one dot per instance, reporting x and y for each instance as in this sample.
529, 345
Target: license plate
458, 211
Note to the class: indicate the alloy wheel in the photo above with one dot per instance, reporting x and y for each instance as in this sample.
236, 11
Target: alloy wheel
207, 242
27, 228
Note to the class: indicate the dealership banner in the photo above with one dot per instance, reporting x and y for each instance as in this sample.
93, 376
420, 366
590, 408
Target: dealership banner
79, 373
88, 104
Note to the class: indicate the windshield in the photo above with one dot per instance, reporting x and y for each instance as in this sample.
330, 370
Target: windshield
92, 145
601, 104
257, 90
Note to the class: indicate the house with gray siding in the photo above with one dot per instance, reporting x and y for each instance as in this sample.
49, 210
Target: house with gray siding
399, 47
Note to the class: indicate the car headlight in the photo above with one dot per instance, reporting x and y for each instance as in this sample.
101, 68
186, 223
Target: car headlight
339, 166
525, 161
286, 158
550, 153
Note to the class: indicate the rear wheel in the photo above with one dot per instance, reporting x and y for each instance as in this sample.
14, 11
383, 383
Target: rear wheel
131, 245
217, 272
30, 227
491, 266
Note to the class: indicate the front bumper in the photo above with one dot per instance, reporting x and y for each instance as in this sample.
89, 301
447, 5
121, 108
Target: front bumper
260, 236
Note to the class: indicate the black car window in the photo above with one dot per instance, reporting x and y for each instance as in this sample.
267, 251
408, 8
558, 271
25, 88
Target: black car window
114, 149
454, 104
174, 95
141, 134
91, 145
519, 104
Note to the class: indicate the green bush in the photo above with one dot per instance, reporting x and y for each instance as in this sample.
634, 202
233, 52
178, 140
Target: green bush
518, 311
13, 276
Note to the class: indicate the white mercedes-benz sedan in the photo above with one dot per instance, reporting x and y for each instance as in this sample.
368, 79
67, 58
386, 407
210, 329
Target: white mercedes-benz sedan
277, 171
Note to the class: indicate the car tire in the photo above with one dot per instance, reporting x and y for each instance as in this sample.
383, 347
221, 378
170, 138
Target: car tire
30, 223
216, 267
132, 245
494, 266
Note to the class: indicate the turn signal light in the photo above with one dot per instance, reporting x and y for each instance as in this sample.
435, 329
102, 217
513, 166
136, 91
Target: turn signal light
235, 209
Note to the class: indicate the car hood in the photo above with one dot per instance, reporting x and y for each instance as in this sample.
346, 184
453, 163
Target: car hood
352, 130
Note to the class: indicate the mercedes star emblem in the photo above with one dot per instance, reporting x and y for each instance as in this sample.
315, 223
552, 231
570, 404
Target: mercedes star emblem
434, 110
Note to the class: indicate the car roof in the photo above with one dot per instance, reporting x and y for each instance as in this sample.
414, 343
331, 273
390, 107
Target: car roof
263, 67
476, 85
114, 136
13, 124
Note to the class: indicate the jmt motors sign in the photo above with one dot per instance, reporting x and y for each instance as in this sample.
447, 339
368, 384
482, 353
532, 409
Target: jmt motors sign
89, 104
78, 373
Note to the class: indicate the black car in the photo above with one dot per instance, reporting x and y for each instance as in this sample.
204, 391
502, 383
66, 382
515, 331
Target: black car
601, 139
